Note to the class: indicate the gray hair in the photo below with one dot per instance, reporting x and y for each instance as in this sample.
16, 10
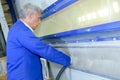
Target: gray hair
28, 8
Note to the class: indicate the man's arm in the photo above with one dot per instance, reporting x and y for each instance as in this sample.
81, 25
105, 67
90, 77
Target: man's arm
32, 43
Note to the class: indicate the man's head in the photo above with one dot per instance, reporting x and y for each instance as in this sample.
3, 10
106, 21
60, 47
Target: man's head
31, 14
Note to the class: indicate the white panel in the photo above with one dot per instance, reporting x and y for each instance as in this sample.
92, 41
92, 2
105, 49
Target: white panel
79, 75
46, 3
20, 3
41, 3
101, 58
72, 74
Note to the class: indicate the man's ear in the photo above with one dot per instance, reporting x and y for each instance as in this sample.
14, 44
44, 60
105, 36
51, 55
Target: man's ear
30, 15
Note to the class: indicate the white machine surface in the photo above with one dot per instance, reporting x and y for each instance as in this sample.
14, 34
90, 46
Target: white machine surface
93, 60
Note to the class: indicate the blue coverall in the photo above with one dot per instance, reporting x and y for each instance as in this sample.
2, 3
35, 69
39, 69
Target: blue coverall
24, 51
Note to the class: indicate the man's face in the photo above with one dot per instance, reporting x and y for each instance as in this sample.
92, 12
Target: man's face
35, 20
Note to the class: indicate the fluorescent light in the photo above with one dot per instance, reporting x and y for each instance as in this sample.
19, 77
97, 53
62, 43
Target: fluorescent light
116, 7
89, 16
93, 15
103, 12
79, 19
83, 18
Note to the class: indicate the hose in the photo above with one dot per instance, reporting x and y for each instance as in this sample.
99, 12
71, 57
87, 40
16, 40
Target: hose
60, 72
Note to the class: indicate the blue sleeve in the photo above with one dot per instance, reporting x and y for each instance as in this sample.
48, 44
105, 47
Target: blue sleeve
33, 44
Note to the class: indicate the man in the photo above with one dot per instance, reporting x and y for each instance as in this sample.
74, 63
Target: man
24, 49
